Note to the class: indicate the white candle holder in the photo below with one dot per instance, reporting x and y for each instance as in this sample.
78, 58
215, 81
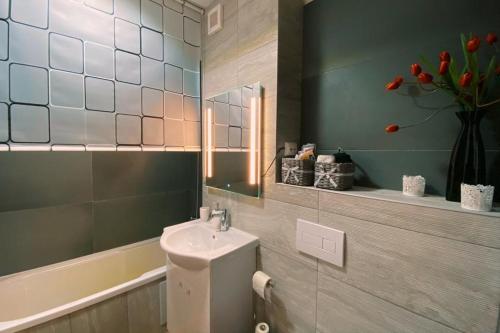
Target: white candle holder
413, 186
477, 197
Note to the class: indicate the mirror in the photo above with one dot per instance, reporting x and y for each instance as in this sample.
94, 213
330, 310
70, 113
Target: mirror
232, 138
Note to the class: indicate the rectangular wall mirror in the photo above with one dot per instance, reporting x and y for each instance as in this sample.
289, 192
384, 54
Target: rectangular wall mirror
232, 139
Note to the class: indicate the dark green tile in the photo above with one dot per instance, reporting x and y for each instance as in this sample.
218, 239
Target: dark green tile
349, 108
40, 179
337, 33
181, 207
119, 174
353, 49
123, 221
39, 237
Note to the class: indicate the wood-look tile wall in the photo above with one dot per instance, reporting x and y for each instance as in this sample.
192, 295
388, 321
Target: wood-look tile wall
245, 51
408, 269
137, 311
397, 277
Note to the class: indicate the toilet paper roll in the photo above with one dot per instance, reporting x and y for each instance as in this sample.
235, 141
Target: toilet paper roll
260, 282
262, 328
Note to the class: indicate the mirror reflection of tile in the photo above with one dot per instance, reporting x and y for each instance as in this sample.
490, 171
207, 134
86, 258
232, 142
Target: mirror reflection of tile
100, 73
232, 113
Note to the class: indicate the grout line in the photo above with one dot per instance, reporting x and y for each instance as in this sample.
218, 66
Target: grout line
327, 150
390, 302
310, 266
410, 230
141, 195
317, 294
62, 205
92, 176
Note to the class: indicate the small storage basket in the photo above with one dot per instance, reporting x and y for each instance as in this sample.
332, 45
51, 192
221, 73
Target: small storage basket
334, 176
297, 172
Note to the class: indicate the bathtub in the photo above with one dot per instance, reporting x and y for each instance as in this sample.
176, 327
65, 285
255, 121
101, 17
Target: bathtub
34, 297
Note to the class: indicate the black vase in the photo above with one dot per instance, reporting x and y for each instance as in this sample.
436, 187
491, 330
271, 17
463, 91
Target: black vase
467, 163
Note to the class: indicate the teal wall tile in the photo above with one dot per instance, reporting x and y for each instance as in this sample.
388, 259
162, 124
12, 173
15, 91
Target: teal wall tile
148, 172
347, 65
126, 220
41, 179
56, 206
38, 237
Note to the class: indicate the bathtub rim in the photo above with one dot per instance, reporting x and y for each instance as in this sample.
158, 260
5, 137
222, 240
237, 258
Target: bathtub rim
87, 301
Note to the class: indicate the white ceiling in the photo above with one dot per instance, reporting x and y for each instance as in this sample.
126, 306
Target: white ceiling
205, 3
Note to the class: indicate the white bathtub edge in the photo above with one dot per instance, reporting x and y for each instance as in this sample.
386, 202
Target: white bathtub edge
43, 317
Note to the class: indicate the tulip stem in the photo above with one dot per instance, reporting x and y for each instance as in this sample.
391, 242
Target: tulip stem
488, 104
432, 115
425, 89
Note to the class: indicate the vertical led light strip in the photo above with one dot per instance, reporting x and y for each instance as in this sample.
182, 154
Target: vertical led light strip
209, 144
259, 119
254, 127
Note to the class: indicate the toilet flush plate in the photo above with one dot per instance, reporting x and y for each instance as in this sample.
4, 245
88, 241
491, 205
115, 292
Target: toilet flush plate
319, 241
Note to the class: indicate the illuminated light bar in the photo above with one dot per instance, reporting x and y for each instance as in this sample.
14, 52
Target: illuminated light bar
209, 144
254, 141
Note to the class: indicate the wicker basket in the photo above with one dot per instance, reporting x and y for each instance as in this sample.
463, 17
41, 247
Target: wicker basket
296, 172
334, 176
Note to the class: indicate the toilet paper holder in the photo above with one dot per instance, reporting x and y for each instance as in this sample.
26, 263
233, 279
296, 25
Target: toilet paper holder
260, 282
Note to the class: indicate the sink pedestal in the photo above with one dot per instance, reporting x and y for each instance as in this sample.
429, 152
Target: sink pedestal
213, 295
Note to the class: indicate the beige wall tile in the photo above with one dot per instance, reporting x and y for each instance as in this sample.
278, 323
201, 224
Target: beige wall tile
109, 316
257, 24
59, 325
451, 282
293, 297
220, 79
342, 308
467, 227
301, 196
225, 199
274, 222
144, 309
222, 46
260, 65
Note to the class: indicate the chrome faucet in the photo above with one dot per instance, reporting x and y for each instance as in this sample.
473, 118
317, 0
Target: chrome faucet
221, 213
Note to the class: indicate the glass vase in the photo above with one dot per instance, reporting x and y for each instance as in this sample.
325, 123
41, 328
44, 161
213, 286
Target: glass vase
467, 163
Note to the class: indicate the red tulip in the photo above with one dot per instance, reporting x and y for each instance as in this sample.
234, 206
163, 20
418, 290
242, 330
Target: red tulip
394, 84
473, 44
392, 128
497, 70
491, 38
443, 67
465, 80
425, 78
444, 56
415, 69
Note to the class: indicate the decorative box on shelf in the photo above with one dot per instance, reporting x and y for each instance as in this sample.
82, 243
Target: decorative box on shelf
334, 176
334, 172
297, 172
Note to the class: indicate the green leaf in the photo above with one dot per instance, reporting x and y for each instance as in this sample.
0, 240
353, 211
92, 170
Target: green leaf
465, 52
455, 76
489, 78
433, 69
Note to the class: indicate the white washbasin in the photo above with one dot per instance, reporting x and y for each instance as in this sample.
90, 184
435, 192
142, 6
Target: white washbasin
193, 245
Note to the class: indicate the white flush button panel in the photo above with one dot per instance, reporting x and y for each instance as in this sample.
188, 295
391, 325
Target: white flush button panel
322, 242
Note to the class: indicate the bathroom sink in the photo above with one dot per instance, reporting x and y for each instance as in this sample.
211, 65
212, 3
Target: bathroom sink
193, 245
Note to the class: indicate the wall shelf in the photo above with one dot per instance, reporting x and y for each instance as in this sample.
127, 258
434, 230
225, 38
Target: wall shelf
430, 201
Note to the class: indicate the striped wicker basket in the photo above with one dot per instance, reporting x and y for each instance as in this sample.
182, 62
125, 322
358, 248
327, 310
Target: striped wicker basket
297, 172
334, 176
